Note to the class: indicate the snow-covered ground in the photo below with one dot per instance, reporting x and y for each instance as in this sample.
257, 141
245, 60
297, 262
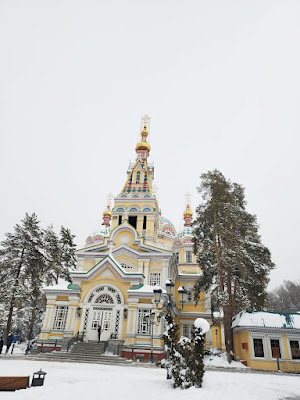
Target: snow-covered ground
70, 381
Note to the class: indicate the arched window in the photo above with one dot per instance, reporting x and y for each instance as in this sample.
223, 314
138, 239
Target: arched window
138, 177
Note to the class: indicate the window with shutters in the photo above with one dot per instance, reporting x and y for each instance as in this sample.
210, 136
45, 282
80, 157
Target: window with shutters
275, 348
295, 350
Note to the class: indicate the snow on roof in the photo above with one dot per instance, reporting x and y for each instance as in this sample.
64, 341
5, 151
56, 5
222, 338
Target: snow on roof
146, 289
265, 319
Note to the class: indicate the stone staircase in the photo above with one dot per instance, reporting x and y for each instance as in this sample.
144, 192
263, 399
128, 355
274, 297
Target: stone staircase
92, 352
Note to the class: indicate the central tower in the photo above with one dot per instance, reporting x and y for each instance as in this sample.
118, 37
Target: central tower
136, 203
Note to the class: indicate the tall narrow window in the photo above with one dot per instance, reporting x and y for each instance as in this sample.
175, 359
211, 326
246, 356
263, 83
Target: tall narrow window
144, 327
186, 330
132, 220
177, 257
145, 177
258, 348
145, 222
275, 348
138, 177
120, 219
188, 256
60, 318
295, 349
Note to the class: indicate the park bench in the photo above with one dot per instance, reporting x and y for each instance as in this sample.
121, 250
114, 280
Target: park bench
13, 383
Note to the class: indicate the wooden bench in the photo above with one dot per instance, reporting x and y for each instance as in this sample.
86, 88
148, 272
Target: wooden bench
13, 382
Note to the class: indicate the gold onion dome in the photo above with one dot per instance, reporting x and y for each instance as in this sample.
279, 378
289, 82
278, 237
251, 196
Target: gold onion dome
143, 145
107, 212
188, 212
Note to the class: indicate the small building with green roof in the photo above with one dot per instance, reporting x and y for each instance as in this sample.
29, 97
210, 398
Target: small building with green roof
267, 340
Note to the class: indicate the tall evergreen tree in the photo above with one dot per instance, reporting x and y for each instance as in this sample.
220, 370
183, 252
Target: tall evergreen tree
20, 253
234, 262
30, 258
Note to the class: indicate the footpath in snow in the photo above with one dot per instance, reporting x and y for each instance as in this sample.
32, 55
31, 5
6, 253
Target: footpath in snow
74, 381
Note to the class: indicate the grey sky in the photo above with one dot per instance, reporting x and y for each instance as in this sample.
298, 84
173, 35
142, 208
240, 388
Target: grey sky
220, 80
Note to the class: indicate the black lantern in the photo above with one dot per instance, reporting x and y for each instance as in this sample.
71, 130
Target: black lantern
38, 378
157, 294
169, 286
182, 294
125, 312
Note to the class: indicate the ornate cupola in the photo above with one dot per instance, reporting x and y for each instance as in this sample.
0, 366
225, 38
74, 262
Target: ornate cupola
188, 213
143, 148
107, 216
188, 216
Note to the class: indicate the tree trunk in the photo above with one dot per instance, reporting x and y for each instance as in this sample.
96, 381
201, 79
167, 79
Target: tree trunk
228, 331
220, 278
12, 301
32, 320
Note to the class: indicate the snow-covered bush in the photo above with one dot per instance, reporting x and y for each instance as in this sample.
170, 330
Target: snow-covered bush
184, 361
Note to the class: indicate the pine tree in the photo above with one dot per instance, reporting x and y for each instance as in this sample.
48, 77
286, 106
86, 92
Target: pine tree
170, 337
19, 253
30, 258
195, 363
234, 262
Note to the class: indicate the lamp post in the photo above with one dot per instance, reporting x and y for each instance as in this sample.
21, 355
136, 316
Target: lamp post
150, 319
169, 303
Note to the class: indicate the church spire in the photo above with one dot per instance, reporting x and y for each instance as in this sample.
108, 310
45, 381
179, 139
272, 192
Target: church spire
188, 213
143, 147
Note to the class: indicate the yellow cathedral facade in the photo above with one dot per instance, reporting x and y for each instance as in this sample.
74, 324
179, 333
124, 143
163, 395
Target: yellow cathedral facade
135, 251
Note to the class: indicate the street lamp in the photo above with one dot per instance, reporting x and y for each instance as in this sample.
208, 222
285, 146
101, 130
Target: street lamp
150, 319
169, 303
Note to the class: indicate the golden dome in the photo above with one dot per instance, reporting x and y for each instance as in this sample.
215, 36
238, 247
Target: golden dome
188, 212
143, 145
107, 212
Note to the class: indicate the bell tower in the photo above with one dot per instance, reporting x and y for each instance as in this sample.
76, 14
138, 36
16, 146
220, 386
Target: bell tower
136, 203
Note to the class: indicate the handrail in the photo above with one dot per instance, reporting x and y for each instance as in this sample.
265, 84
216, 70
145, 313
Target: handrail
75, 339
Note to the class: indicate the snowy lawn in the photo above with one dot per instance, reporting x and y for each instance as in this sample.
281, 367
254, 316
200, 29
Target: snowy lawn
71, 381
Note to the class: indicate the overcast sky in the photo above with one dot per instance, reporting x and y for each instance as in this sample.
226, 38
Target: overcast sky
219, 79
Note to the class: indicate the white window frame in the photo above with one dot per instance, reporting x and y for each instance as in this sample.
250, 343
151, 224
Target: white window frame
143, 327
276, 337
189, 328
186, 256
263, 338
295, 339
154, 278
60, 318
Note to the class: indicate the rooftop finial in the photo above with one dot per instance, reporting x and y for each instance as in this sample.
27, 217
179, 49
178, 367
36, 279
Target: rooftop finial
143, 148
188, 213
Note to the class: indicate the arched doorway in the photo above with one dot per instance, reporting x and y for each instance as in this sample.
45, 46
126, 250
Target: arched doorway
103, 308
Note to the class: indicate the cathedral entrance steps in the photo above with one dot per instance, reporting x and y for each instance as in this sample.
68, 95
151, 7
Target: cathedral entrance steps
68, 357
92, 352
